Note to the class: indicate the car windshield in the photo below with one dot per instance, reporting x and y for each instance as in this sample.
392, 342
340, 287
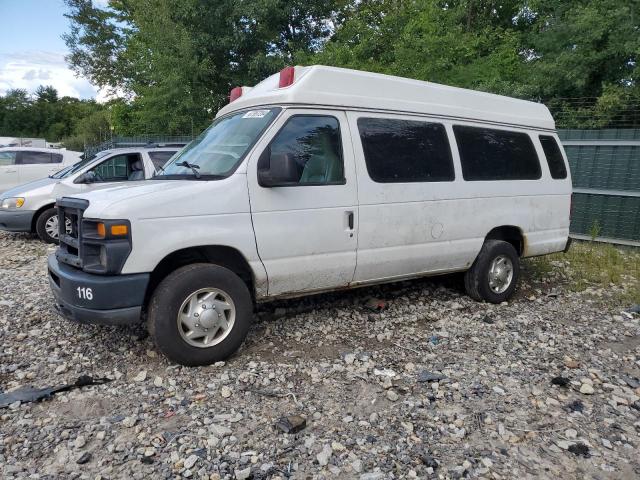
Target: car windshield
220, 148
71, 169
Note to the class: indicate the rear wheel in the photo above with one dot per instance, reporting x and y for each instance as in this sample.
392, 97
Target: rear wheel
47, 226
200, 314
494, 275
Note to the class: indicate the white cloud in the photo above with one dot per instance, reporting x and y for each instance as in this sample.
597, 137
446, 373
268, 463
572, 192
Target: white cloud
32, 68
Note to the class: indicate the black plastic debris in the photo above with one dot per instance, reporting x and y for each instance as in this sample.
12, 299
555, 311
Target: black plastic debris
488, 319
560, 381
575, 406
429, 461
84, 458
579, 449
426, 376
291, 424
146, 460
31, 394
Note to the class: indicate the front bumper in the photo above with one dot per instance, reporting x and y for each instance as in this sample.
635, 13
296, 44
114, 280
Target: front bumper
97, 299
16, 220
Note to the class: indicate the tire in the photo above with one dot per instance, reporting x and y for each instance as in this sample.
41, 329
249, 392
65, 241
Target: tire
477, 279
169, 308
41, 225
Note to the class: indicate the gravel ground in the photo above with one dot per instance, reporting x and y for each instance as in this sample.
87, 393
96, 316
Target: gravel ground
361, 379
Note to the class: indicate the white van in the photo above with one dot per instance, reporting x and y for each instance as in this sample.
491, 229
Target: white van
316, 179
20, 165
31, 207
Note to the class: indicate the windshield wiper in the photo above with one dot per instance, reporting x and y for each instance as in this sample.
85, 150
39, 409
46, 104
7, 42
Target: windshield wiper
194, 168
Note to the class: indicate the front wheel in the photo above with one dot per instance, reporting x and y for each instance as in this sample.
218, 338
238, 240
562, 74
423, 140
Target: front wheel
200, 314
47, 226
494, 275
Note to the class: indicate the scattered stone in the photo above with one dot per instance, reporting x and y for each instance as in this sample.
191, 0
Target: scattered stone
79, 442
191, 461
426, 376
243, 474
225, 392
324, 456
291, 424
140, 377
587, 389
84, 458
392, 395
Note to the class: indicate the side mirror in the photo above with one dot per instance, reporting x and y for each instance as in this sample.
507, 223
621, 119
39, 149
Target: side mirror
277, 170
86, 177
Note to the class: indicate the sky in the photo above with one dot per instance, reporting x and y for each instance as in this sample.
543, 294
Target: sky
32, 51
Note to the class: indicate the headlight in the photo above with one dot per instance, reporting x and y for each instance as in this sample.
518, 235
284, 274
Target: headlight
11, 203
105, 245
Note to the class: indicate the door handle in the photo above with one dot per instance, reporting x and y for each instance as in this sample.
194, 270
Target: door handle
10, 171
350, 220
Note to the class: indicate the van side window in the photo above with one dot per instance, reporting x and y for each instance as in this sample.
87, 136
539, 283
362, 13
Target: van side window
120, 168
160, 158
488, 154
26, 157
554, 157
7, 158
308, 151
398, 151
56, 158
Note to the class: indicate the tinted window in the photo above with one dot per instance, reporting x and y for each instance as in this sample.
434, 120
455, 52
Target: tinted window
554, 157
56, 158
31, 158
405, 150
115, 169
7, 158
488, 154
306, 151
160, 158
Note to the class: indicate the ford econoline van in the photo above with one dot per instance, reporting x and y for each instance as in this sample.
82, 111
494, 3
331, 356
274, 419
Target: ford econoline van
316, 179
31, 207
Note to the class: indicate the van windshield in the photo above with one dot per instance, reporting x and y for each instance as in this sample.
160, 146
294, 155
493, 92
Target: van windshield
220, 148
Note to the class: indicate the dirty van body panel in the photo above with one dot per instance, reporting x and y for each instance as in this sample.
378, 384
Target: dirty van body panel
413, 228
220, 216
306, 233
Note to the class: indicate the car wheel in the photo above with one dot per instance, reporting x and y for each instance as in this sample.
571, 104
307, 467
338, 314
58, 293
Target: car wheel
494, 275
200, 314
47, 226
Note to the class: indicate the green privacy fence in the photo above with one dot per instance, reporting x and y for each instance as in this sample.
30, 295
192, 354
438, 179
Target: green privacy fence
605, 167
138, 141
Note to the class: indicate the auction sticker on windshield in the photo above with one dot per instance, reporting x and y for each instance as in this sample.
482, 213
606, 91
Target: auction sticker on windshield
256, 114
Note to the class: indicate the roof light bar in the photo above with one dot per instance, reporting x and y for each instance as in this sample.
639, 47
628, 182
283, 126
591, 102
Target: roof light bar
287, 77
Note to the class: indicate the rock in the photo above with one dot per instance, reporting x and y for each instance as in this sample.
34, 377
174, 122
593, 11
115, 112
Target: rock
570, 363
570, 433
191, 461
79, 442
129, 421
157, 381
498, 390
61, 368
587, 389
225, 392
140, 377
291, 424
243, 474
426, 376
324, 456
84, 458
392, 395
349, 358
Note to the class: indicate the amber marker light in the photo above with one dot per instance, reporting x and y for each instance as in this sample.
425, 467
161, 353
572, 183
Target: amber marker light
101, 230
119, 230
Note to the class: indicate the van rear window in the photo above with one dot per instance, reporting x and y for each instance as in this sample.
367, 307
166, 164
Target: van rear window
399, 151
554, 157
488, 154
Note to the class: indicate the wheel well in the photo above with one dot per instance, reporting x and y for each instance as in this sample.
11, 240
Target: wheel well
508, 233
223, 256
34, 220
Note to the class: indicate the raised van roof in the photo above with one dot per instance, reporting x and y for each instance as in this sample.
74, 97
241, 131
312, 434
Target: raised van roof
320, 86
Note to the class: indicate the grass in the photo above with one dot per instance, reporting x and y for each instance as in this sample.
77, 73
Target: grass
593, 265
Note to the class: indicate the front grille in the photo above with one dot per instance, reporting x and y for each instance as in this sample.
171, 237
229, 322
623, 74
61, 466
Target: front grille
69, 249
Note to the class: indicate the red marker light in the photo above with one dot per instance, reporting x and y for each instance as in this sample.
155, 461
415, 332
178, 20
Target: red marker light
287, 76
235, 94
